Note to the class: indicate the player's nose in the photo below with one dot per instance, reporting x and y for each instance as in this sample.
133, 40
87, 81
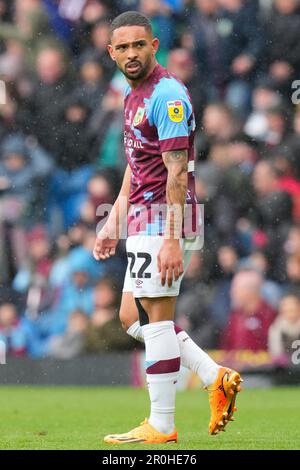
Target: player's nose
131, 55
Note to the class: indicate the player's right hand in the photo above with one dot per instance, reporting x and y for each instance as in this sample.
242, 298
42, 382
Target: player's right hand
170, 262
105, 245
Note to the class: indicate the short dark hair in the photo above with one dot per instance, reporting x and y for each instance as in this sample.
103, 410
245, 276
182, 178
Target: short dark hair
130, 18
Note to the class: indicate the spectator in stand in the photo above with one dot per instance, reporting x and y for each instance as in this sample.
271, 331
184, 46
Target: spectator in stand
78, 244
86, 15
30, 28
73, 152
32, 279
105, 332
220, 306
60, 267
292, 284
76, 293
242, 45
71, 343
202, 39
288, 182
125, 5
282, 26
271, 291
102, 189
12, 61
5, 10
250, 317
24, 169
106, 293
68, 187
219, 125
278, 125
292, 243
272, 214
12, 332
92, 84
292, 143
42, 112
190, 314
243, 153
230, 179
82, 254
106, 126
180, 62
285, 330
99, 39
265, 96
219, 122
161, 13
10, 110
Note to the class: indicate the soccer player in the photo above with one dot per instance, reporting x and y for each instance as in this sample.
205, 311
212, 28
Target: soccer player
158, 138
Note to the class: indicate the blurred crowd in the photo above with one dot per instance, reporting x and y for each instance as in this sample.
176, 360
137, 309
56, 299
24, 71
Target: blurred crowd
61, 156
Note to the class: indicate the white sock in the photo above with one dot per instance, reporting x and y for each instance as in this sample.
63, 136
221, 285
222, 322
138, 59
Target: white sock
136, 331
197, 360
192, 357
162, 369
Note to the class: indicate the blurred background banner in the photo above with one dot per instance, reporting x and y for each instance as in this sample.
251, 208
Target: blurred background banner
127, 369
61, 156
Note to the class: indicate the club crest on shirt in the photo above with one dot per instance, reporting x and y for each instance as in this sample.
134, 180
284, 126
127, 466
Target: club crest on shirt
175, 110
139, 115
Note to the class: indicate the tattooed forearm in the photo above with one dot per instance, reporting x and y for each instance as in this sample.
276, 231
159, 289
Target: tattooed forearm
176, 156
176, 162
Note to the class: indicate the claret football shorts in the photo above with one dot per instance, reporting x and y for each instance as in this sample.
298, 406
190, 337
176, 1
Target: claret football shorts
142, 277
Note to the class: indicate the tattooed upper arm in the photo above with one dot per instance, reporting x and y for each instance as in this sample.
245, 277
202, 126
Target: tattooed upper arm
177, 157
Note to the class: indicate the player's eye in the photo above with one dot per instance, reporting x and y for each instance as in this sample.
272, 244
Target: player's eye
121, 48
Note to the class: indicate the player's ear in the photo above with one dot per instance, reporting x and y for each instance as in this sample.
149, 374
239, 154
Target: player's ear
111, 51
155, 44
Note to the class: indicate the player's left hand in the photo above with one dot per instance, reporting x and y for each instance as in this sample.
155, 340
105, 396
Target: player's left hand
170, 262
105, 243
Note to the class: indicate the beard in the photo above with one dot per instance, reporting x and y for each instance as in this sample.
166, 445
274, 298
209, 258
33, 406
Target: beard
141, 72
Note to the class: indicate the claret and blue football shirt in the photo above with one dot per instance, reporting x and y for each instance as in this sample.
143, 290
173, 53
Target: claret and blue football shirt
158, 118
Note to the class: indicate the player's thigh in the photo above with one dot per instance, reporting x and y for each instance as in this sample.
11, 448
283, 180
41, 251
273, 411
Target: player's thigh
159, 308
128, 310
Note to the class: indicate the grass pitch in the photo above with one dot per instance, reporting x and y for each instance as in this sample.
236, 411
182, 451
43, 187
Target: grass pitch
78, 418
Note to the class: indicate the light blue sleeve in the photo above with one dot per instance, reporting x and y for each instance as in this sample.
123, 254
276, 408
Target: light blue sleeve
170, 97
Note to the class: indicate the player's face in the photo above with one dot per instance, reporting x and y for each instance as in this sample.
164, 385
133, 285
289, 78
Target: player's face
133, 49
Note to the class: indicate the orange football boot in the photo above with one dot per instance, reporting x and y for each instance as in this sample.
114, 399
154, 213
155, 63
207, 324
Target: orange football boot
144, 434
222, 396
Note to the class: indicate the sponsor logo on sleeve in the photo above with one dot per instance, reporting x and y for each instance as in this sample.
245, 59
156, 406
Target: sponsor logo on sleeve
175, 110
